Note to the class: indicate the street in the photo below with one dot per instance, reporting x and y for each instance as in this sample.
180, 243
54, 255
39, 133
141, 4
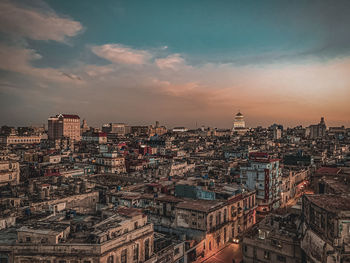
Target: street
226, 255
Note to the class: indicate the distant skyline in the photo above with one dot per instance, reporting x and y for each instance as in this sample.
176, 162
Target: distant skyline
178, 62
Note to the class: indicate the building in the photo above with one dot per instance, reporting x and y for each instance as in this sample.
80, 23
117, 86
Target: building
275, 239
180, 129
119, 129
263, 174
277, 133
121, 236
94, 137
157, 130
14, 139
9, 171
326, 235
84, 127
239, 124
64, 125
318, 130
110, 163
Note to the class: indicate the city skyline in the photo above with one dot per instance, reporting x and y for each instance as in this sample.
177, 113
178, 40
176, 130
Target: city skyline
180, 64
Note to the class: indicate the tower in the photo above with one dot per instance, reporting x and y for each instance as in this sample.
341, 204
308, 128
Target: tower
238, 121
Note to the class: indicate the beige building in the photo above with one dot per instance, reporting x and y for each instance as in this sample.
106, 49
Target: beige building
113, 236
14, 139
110, 163
9, 171
64, 125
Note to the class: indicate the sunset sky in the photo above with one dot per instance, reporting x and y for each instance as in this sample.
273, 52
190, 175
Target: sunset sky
178, 62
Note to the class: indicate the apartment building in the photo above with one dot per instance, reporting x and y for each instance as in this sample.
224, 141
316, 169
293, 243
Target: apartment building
64, 125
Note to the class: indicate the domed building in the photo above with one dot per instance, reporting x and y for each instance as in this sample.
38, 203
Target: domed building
239, 123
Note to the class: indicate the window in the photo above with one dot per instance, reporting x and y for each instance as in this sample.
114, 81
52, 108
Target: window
28, 239
281, 258
62, 261
261, 234
147, 245
218, 240
266, 254
123, 256
136, 252
209, 245
110, 259
276, 243
245, 248
177, 251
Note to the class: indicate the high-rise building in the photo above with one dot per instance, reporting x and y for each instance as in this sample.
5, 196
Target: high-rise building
64, 125
318, 130
277, 133
263, 175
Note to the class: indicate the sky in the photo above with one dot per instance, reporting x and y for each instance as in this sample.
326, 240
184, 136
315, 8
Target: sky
182, 63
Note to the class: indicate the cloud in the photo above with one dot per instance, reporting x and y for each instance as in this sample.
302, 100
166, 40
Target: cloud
117, 53
37, 24
17, 59
172, 61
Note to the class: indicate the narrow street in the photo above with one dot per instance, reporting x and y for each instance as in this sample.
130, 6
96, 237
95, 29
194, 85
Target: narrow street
226, 255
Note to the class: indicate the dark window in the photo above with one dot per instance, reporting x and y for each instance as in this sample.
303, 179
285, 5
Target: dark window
147, 255
28, 239
266, 254
209, 245
177, 251
281, 258
276, 243
218, 240
123, 256
110, 259
136, 252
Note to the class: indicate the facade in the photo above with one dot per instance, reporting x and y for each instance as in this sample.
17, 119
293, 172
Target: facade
239, 124
275, 239
95, 137
119, 129
64, 125
318, 130
116, 236
326, 228
14, 139
9, 171
110, 163
263, 175
214, 223
238, 121
277, 133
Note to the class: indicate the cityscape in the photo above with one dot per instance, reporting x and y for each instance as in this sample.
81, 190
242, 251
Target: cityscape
174, 132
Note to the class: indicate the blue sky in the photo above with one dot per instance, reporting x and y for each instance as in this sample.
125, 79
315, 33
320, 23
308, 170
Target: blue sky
179, 62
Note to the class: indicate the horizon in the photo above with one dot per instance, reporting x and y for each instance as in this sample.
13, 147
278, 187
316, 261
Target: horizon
198, 126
